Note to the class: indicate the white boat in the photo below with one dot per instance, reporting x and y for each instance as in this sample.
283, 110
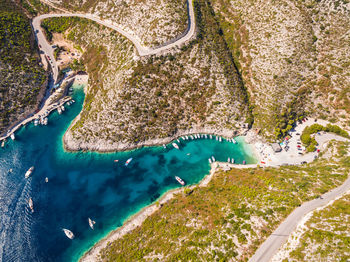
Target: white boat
175, 145
178, 141
31, 205
59, 110
211, 137
232, 160
186, 137
128, 161
213, 158
91, 223
192, 137
68, 233
164, 145
229, 160
36, 122
46, 179
3, 143
216, 138
178, 179
182, 138
205, 136
62, 107
244, 162
13, 136
46, 120
29, 172
234, 141
220, 139
209, 160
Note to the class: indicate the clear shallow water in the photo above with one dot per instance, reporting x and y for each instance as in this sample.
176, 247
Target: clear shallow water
83, 185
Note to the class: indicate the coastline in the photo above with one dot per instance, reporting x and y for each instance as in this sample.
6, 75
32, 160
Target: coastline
102, 147
137, 219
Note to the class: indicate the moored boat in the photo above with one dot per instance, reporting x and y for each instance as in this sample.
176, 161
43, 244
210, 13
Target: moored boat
91, 223
29, 172
232, 160
211, 137
178, 179
31, 204
128, 161
210, 160
46, 179
234, 141
213, 158
229, 160
13, 136
244, 162
68, 233
220, 139
175, 145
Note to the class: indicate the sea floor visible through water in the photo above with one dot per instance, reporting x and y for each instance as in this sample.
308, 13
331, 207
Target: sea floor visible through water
86, 185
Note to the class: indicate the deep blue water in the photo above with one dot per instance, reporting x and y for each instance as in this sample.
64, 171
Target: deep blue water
83, 185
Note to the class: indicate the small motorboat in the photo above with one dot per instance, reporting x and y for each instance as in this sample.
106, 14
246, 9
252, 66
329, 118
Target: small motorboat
244, 162
232, 160
31, 204
128, 161
68, 233
46, 179
228, 160
213, 158
29, 172
178, 179
164, 145
13, 136
175, 145
91, 223
116, 160
234, 141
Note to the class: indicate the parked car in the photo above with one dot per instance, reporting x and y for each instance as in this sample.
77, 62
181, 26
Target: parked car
298, 134
303, 162
39, 46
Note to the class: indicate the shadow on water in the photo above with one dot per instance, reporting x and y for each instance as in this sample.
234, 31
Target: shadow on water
83, 185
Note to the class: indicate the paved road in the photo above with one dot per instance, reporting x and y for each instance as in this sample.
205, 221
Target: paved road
271, 245
142, 50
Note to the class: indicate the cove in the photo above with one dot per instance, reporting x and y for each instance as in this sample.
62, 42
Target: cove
87, 184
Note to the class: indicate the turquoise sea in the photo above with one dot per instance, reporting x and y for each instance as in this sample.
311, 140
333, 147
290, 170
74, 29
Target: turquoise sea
83, 185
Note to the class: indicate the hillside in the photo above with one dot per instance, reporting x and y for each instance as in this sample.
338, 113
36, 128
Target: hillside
22, 80
230, 217
152, 22
293, 56
323, 237
132, 102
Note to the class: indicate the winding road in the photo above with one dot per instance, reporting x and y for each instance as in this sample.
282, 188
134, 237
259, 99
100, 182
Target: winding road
142, 50
272, 244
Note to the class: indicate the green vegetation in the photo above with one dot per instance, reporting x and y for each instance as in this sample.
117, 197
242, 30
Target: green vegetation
328, 231
229, 218
61, 25
22, 80
310, 142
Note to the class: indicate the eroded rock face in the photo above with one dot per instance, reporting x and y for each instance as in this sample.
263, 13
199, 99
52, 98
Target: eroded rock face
131, 103
153, 22
292, 55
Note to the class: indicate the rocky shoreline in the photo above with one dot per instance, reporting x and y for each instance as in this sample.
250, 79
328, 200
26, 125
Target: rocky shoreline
71, 144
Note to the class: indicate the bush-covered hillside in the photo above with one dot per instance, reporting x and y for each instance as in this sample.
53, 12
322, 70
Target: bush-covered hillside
131, 101
22, 80
294, 57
